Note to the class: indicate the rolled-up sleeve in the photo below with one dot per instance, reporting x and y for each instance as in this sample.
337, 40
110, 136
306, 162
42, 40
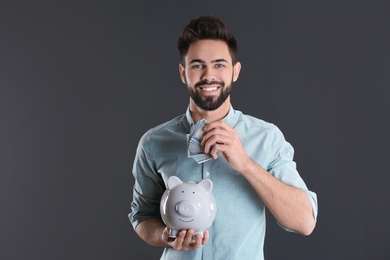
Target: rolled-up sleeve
283, 167
148, 186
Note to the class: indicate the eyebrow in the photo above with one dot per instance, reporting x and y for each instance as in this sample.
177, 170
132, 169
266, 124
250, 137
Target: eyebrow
202, 61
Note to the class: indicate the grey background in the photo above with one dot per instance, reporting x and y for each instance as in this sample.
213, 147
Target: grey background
81, 81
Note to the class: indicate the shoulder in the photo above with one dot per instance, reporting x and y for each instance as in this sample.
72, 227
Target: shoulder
251, 122
259, 129
163, 129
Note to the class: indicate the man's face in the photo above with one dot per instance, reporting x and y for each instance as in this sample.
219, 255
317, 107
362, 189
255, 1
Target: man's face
209, 73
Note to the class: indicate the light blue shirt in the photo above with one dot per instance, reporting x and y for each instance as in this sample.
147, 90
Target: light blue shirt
238, 230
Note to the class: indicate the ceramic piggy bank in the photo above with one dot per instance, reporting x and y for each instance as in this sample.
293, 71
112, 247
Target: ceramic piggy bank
188, 205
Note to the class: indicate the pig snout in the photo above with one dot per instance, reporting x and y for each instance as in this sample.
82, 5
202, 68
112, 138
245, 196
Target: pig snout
186, 208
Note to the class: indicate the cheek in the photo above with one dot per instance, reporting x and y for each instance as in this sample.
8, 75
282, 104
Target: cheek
189, 80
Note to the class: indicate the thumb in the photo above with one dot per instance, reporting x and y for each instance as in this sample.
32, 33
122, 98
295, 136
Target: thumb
165, 235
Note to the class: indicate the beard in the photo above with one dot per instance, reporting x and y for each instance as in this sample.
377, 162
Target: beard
209, 103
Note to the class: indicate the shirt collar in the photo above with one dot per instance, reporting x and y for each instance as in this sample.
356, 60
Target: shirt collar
229, 119
190, 121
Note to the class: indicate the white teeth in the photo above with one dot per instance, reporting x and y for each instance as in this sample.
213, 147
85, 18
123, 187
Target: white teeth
209, 89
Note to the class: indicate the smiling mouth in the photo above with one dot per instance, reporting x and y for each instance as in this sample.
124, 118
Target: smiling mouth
209, 86
187, 221
209, 89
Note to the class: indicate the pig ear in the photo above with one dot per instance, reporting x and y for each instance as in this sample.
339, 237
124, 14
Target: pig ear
173, 181
206, 184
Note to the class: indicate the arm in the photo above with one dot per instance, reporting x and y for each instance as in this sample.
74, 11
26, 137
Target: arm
155, 233
289, 205
151, 230
145, 216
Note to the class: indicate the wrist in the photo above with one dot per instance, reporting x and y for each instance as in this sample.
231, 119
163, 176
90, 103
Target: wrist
251, 168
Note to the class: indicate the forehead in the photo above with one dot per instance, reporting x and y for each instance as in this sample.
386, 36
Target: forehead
208, 50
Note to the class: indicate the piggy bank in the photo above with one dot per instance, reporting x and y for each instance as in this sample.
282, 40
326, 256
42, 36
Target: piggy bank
188, 205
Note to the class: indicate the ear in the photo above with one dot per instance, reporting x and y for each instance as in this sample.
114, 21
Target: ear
173, 181
236, 71
206, 184
182, 72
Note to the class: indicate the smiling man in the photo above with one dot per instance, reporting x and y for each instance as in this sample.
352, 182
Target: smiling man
252, 166
209, 72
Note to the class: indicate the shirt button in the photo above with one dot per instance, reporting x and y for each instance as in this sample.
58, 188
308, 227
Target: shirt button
207, 174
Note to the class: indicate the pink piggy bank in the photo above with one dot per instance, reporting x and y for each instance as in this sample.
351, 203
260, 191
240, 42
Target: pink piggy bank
188, 205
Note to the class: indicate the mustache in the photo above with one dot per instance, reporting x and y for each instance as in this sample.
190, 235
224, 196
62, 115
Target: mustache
205, 82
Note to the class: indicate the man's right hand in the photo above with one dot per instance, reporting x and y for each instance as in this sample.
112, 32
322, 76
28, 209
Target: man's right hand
185, 240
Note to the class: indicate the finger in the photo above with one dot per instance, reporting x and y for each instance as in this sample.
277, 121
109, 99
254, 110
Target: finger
188, 240
197, 242
178, 242
217, 133
165, 235
214, 141
206, 236
217, 148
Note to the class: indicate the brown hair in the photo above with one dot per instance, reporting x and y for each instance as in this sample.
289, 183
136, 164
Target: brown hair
205, 28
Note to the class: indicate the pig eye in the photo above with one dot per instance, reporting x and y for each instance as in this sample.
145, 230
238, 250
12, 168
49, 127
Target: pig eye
192, 192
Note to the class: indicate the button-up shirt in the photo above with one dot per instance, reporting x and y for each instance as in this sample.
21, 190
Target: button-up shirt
238, 230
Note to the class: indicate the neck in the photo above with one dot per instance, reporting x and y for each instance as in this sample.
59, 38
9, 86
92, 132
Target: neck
197, 113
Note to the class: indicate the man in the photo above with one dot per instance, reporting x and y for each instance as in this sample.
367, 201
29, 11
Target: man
252, 166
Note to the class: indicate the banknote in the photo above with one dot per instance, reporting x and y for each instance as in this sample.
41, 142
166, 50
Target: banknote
194, 139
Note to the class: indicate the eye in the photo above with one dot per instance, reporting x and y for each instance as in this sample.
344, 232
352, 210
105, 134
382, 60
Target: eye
197, 66
219, 65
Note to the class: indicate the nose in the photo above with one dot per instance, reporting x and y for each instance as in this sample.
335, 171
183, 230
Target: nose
208, 75
186, 208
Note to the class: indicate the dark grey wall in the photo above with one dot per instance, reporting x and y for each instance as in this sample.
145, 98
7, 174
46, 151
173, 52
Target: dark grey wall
80, 81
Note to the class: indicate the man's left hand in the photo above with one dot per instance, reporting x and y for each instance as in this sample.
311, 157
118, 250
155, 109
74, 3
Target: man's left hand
221, 137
